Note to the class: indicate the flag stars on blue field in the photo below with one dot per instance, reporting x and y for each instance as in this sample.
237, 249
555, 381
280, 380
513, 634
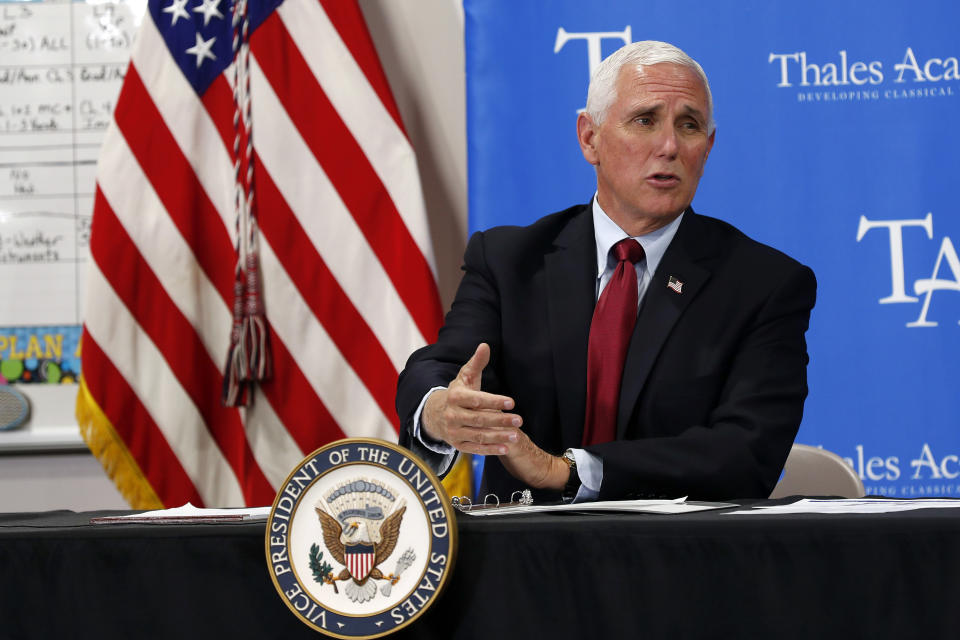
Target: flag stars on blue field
204, 37
202, 49
177, 10
209, 9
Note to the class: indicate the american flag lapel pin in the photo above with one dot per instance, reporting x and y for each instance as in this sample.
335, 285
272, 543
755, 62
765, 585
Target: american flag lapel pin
675, 284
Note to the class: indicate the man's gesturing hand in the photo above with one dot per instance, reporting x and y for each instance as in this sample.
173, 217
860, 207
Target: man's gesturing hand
467, 418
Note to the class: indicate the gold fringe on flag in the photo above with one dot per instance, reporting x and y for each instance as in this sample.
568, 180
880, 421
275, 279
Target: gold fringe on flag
113, 454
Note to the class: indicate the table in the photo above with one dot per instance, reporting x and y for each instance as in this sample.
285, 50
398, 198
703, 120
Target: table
700, 575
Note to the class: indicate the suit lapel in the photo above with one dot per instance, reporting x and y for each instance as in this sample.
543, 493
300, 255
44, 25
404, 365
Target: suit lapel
571, 287
661, 308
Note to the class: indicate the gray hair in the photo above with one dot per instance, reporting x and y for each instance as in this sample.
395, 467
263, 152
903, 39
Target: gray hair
603, 83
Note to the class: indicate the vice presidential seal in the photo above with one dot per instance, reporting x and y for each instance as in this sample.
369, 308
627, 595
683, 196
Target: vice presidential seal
361, 539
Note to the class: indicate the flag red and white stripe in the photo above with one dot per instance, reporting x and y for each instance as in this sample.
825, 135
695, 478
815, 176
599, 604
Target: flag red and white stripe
346, 262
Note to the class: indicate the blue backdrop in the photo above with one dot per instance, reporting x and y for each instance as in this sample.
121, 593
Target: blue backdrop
837, 142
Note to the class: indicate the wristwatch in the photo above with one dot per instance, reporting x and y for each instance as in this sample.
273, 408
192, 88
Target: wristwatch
573, 480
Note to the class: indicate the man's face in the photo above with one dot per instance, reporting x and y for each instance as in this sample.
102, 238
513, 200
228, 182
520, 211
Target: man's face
650, 150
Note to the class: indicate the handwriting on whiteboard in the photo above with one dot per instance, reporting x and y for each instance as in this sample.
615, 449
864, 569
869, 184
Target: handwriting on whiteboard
61, 68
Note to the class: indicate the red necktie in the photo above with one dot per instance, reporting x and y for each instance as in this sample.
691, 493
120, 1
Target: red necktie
610, 329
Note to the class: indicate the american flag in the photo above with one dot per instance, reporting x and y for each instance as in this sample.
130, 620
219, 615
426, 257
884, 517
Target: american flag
675, 284
345, 259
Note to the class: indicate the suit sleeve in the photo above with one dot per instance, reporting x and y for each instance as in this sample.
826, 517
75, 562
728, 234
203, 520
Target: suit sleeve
739, 450
474, 317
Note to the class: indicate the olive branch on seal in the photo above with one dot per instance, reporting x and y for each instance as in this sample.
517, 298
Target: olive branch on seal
322, 571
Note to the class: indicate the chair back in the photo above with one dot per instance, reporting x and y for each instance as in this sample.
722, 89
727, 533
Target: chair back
812, 471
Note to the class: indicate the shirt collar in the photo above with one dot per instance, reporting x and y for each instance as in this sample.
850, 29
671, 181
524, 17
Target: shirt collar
607, 233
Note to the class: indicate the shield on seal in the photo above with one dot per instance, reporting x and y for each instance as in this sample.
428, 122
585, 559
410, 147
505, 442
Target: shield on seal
359, 559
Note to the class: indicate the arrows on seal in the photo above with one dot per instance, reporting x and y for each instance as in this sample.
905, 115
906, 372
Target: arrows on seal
402, 564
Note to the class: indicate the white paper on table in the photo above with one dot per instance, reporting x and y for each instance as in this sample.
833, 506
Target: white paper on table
188, 514
851, 505
678, 505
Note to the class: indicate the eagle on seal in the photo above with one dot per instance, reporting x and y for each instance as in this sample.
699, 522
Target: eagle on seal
361, 532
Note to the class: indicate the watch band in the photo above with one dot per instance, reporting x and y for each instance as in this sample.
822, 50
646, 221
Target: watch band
573, 480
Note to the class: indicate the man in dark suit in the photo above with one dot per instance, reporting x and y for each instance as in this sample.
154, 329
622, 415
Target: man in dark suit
582, 362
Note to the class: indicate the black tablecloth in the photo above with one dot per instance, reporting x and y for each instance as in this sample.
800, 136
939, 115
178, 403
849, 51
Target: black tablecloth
701, 575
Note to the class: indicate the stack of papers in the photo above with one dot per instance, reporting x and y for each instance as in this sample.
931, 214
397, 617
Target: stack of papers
854, 505
187, 514
679, 505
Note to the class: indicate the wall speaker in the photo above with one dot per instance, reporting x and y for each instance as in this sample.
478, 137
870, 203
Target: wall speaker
14, 408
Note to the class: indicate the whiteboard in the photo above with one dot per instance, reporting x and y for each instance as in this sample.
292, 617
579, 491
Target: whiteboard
61, 67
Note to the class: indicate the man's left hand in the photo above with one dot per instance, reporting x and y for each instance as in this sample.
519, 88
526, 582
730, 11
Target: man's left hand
533, 466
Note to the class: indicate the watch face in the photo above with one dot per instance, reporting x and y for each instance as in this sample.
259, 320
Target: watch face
573, 480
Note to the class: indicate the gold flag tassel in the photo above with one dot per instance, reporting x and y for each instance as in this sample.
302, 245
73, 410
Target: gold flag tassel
113, 454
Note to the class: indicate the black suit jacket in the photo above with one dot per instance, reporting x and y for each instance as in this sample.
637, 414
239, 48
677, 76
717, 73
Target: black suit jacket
715, 376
